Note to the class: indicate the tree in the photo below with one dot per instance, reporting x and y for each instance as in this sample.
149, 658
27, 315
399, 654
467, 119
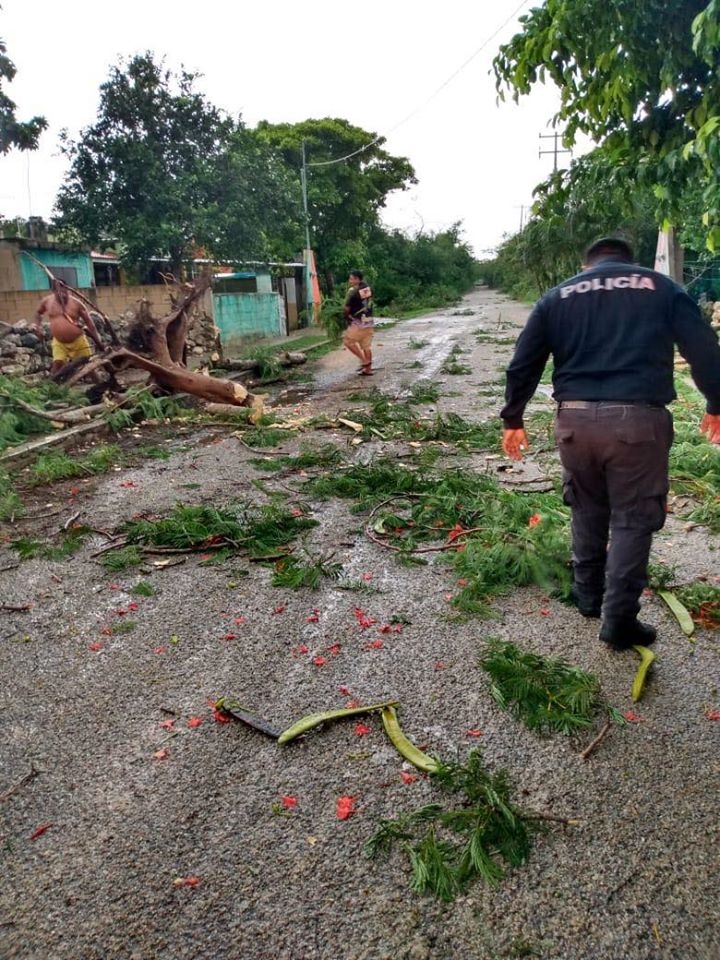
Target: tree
640, 78
349, 176
13, 133
164, 172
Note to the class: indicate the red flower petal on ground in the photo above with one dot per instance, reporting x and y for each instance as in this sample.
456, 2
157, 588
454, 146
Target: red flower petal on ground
375, 645
345, 807
301, 648
279, 609
314, 617
219, 716
319, 661
133, 606
289, 802
334, 649
473, 733
632, 717
230, 636
106, 631
114, 586
385, 628
362, 729
95, 646
186, 881
240, 620
160, 650
363, 620
345, 691
439, 665
408, 777
534, 520
455, 532
712, 714
368, 576
167, 724
195, 722
351, 704
544, 612
39, 831
161, 754
120, 612
296, 512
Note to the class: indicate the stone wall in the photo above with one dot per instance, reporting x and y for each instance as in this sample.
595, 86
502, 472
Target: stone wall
21, 351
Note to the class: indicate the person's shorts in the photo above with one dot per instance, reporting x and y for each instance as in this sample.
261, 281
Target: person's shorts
79, 347
362, 336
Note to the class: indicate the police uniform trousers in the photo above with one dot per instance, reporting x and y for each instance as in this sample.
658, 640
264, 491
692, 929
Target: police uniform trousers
615, 479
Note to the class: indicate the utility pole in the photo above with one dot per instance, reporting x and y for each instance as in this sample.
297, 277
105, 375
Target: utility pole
555, 137
309, 259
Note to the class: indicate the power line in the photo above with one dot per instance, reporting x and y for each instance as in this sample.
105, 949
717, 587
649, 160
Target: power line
327, 163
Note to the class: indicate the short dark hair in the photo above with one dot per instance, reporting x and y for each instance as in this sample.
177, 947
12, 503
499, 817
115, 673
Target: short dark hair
609, 247
356, 273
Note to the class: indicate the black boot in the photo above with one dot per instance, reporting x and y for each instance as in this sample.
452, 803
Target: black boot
587, 605
621, 633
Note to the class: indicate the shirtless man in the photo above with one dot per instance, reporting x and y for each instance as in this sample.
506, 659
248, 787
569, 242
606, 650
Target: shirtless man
68, 319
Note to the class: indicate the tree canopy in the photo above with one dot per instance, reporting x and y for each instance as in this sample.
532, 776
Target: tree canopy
13, 132
164, 172
642, 79
349, 176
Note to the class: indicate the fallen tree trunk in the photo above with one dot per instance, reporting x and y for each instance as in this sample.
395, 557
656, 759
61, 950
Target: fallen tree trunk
177, 379
287, 358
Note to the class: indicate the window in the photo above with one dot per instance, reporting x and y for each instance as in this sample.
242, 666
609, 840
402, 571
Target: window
68, 275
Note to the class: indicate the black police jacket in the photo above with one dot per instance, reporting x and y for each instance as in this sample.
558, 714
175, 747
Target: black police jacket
611, 331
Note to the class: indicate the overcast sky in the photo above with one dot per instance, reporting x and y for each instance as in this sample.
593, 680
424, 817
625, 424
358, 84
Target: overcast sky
417, 74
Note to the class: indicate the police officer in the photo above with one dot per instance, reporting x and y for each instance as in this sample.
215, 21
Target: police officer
611, 331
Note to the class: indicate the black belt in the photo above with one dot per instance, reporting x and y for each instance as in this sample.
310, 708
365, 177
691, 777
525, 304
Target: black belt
590, 404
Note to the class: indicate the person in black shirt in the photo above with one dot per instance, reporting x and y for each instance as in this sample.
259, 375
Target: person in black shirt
611, 331
358, 314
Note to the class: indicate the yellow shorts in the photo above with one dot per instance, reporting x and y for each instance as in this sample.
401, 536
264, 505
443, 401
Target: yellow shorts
79, 347
362, 336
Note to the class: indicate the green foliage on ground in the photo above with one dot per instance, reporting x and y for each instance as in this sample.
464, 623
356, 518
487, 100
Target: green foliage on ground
11, 504
495, 539
140, 404
546, 693
393, 419
694, 462
258, 530
69, 544
18, 425
327, 456
702, 600
294, 572
452, 845
123, 559
49, 467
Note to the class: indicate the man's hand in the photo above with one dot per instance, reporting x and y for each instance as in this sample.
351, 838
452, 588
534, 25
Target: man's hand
711, 426
515, 441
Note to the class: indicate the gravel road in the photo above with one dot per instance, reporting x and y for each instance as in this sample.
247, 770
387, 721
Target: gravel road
134, 826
